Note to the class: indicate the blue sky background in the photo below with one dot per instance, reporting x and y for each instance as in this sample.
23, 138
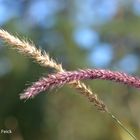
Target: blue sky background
85, 17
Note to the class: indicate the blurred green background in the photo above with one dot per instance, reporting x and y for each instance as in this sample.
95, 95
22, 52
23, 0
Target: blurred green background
79, 34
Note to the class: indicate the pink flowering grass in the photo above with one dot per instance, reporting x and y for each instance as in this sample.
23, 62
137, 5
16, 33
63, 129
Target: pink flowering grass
61, 78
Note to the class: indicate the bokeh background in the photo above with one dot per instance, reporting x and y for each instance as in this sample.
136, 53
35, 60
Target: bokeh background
79, 34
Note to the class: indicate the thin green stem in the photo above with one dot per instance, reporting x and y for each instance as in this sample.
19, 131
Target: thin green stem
121, 125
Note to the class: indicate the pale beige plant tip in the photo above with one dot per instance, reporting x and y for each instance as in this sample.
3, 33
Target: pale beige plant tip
29, 49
